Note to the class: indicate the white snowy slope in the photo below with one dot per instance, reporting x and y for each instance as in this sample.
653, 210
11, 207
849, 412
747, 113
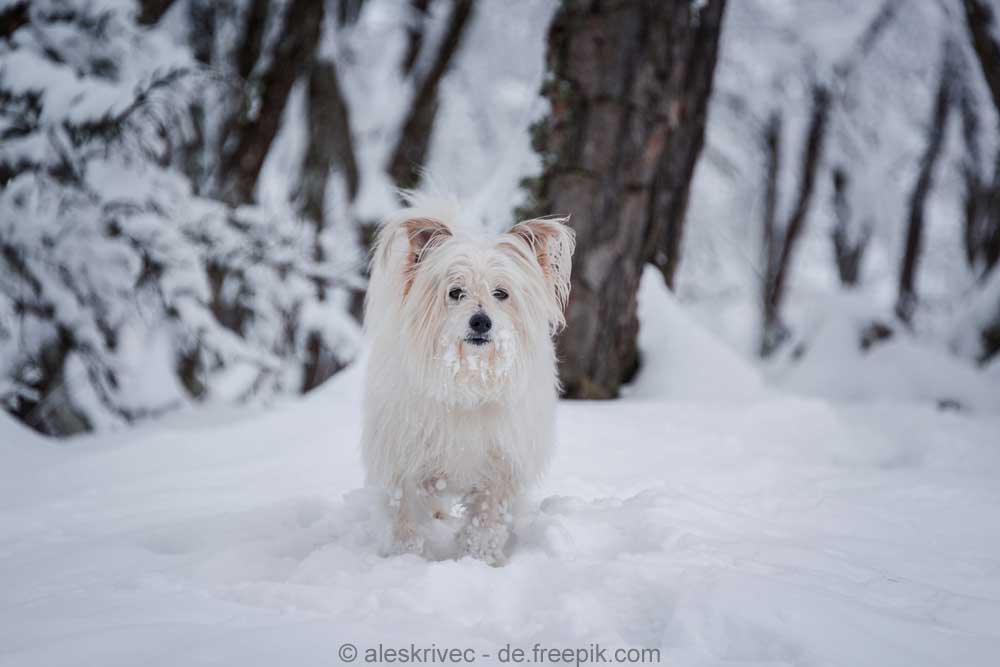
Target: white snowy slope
741, 525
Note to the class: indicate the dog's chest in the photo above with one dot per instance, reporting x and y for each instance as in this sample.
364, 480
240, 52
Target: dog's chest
465, 442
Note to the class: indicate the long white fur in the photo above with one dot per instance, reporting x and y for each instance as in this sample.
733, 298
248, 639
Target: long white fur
440, 413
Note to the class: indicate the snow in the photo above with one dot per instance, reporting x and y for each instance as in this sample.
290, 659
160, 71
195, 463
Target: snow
903, 368
737, 522
689, 362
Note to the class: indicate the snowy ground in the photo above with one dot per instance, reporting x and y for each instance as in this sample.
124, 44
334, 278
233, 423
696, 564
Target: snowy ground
709, 515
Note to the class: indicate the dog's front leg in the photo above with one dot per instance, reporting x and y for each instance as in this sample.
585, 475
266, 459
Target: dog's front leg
406, 536
488, 520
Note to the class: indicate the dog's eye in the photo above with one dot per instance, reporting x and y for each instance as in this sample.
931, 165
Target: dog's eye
455, 293
500, 294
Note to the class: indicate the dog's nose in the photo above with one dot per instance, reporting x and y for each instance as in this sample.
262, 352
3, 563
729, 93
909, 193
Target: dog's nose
480, 323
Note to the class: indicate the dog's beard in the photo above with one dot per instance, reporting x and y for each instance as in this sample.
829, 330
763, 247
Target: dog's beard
477, 368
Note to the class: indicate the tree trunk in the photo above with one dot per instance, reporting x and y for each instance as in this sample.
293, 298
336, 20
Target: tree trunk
414, 138
194, 156
348, 11
848, 248
907, 298
693, 59
628, 87
850, 236
771, 238
151, 11
250, 136
982, 197
781, 248
330, 151
255, 27
982, 24
415, 32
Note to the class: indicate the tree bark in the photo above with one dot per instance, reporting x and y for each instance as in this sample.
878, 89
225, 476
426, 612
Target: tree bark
251, 135
414, 139
907, 297
628, 87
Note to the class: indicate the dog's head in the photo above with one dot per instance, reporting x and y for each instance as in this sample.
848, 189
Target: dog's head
469, 312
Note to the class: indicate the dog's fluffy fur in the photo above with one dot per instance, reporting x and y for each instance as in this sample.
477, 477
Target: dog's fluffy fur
456, 423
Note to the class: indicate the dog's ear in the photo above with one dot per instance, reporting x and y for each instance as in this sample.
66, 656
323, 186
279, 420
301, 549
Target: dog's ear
552, 241
423, 234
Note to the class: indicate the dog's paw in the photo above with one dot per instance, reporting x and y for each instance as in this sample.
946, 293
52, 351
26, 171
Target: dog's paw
406, 541
483, 541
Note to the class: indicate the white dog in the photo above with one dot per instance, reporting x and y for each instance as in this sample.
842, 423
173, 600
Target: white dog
461, 382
